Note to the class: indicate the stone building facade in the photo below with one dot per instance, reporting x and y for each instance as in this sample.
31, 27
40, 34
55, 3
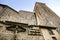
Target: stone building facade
45, 16
42, 24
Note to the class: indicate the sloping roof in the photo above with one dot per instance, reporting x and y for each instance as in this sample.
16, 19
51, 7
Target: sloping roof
27, 17
21, 16
45, 16
8, 7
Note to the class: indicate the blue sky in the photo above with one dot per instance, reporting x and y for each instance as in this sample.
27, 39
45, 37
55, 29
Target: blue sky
28, 5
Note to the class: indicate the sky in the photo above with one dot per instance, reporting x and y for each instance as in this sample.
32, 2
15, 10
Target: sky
28, 5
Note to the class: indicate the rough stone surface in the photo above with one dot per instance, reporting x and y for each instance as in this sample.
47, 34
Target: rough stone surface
21, 17
27, 17
45, 16
42, 16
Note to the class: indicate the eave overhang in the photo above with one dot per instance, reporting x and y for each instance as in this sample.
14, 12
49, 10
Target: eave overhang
24, 24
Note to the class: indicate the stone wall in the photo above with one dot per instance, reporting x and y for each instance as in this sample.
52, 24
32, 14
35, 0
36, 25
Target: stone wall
10, 15
10, 35
47, 35
45, 16
21, 17
1, 10
27, 17
5, 34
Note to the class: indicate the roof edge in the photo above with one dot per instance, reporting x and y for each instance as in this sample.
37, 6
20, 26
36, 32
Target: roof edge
25, 11
40, 3
8, 7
